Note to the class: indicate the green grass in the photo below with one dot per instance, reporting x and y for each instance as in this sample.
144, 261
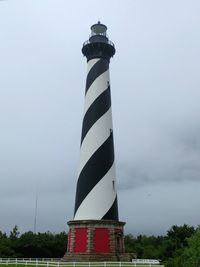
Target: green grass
23, 265
33, 265
85, 265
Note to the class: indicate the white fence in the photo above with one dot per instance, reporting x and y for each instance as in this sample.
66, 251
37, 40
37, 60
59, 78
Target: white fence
28, 259
57, 263
146, 261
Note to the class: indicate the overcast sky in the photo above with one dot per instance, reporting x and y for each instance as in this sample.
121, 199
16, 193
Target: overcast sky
155, 85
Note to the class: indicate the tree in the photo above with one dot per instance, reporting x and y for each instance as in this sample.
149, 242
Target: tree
192, 252
129, 243
5, 246
179, 235
42, 245
14, 234
184, 250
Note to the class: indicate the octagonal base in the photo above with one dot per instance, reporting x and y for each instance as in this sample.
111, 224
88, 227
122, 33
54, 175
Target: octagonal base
96, 240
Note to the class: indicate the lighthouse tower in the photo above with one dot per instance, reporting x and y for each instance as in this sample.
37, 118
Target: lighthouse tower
95, 233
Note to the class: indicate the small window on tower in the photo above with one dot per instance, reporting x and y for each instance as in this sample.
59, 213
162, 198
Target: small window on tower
113, 183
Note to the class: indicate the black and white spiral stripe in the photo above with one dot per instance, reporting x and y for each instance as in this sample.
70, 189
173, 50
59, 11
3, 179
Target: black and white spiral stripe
96, 196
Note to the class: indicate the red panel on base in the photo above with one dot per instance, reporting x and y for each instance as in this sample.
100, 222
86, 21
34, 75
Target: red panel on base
80, 240
101, 240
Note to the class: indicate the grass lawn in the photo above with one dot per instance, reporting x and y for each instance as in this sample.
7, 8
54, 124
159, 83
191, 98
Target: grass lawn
83, 265
86, 265
54, 264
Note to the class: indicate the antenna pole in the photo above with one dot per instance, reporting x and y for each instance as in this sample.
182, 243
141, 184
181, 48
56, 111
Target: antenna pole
35, 217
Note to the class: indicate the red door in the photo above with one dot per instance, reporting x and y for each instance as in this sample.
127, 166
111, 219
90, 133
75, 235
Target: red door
80, 240
101, 240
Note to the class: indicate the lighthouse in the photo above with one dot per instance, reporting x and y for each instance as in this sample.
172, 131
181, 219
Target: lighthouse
95, 233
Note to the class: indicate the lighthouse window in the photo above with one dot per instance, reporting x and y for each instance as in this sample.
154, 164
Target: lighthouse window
113, 183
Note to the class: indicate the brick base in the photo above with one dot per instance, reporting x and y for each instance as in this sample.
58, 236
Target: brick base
96, 240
